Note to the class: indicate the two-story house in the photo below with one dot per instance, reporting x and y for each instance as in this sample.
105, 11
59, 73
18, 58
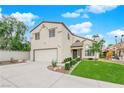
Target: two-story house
54, 41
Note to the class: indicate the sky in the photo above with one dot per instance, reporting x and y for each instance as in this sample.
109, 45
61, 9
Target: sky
83, 20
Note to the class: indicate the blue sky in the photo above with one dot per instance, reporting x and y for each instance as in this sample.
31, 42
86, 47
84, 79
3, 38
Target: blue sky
107, 21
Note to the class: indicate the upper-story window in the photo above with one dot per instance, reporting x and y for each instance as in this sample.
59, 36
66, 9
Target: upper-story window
37, 36
68, 36
52, 32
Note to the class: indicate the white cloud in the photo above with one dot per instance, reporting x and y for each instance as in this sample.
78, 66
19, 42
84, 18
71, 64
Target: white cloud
101, 36
100, 8
27, 18
117, 32
89, 36
84, 27
0, 13
85, 16
96, 9
74, 14
71, 15
79, 10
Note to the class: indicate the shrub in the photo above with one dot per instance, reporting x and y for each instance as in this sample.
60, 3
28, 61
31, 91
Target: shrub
74, 61
71, 63
78, 59
67, 59
90, 58
54, 63
67, 66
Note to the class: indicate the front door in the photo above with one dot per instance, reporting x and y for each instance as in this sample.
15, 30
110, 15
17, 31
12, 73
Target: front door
74, 53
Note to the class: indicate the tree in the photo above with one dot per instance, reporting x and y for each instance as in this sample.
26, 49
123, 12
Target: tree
26, 46
110, 45
16, 43
12, 33
4, 34
96, 47
95, 36
122, 37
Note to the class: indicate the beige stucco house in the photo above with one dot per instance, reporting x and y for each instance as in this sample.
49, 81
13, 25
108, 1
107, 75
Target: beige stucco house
54, 41
118, 49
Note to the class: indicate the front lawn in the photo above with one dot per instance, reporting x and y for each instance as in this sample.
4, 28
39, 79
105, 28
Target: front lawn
100, 71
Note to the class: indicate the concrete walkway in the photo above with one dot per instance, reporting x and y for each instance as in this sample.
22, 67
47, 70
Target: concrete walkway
36, 75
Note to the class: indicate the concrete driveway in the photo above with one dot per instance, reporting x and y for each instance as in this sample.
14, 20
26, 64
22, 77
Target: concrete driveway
36, 75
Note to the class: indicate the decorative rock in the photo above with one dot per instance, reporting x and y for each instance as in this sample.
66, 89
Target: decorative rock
59, 67
19, 60
55, 68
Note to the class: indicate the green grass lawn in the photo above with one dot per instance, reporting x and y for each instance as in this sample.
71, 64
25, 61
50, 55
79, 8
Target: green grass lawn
100, 71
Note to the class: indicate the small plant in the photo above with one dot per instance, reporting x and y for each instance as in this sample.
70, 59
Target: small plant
54, 63
74, 61
67, 59
90, 58
78, 59
71, 63
67, 66
12, 60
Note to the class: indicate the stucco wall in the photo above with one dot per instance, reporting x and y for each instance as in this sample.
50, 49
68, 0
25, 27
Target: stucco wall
45, 41
6, 55
60, 41
66, 43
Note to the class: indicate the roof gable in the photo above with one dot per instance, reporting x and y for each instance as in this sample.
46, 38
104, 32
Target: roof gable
64, 26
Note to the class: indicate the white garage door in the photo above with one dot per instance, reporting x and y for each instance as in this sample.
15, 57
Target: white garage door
46, 55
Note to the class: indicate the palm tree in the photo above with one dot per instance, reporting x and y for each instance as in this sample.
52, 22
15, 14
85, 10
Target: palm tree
96, 47
95, 36
116, 39
122, 37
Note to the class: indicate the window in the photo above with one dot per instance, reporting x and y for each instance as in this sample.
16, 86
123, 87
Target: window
51, 32
37, 36
88, 52
68, 36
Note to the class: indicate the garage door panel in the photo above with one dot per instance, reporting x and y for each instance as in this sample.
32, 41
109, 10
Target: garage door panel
46, 55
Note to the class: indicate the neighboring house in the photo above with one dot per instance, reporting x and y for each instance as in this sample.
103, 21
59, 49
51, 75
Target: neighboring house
54, 41
118, 49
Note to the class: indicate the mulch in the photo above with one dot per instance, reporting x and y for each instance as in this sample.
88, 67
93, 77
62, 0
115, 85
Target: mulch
62, 70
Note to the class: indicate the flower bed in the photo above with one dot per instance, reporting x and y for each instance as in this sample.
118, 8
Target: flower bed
60, 69
63, 67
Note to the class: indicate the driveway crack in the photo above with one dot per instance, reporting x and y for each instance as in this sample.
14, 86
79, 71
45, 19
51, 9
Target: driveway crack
55, 81
9, 81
